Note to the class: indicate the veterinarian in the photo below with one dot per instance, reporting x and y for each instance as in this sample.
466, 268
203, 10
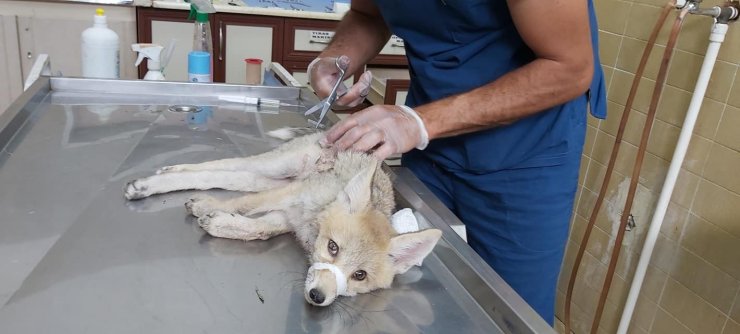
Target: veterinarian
500, 92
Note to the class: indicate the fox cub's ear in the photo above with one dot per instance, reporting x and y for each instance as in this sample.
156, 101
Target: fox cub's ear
356, 194
410, 249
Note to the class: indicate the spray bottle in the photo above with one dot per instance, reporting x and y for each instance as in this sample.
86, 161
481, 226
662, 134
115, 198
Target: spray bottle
158, 57
100, 58
200, 59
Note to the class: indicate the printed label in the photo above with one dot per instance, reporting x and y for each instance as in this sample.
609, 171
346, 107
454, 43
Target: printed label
199, 77
321, 36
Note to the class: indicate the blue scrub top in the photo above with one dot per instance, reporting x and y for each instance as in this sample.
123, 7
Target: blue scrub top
454, 46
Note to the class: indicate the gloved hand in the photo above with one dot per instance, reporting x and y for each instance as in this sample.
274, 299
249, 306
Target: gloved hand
323, 74
388, 129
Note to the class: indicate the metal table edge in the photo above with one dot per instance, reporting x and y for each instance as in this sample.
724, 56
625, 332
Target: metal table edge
20, 110
166, 88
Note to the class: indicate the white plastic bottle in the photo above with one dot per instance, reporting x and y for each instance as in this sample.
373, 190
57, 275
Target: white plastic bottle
153, 53
100, 50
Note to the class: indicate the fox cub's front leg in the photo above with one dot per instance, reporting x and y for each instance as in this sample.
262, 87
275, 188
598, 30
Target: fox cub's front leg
233, 226
203, 205
277, 199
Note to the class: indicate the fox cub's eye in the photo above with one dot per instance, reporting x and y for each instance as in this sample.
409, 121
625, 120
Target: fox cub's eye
333, 248
359, 275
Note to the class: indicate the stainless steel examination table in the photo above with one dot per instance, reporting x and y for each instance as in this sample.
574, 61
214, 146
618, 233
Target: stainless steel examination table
76, 257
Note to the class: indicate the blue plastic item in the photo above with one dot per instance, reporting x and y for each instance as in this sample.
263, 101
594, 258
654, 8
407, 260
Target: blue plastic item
199, 66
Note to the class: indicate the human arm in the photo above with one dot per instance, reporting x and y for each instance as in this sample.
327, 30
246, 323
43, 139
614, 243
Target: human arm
360, 36
558, 34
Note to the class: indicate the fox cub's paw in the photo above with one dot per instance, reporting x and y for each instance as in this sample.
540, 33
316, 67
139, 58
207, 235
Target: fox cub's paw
136, 189
221, 225
200, 206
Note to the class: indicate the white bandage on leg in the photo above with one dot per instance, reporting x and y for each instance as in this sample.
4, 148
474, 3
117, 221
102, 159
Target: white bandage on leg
341, 279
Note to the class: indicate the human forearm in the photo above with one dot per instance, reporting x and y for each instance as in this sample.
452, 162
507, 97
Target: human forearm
360, 35
537, 86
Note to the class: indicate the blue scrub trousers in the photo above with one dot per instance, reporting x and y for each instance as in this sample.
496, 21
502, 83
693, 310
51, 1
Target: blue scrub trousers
516, 219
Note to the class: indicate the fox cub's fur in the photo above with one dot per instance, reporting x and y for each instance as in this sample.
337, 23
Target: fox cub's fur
338, 205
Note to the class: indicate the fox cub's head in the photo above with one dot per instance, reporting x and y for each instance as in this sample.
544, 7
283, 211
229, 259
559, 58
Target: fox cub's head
357, 250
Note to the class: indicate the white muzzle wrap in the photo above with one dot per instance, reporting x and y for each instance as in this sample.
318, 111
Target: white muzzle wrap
338, 275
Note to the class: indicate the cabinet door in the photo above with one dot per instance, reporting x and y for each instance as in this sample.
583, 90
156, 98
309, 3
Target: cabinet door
305, 39
243, 36
396, 91
393, 54
394, 46
161, 26
11, 85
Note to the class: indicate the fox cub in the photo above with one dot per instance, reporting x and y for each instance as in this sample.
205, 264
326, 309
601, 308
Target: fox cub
338, 205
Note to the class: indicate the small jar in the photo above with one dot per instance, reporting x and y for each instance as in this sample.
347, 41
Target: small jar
254, 71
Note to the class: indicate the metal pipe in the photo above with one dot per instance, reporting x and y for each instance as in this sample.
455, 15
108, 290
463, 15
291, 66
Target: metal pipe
713, 11
716, 38
730, 12
680, 4
724, 14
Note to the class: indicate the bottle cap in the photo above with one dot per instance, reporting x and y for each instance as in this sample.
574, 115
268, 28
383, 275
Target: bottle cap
201, 17
253, 61
199, 62
197, 15
99, 17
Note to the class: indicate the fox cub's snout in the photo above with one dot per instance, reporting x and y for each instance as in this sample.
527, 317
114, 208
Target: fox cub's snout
357, 250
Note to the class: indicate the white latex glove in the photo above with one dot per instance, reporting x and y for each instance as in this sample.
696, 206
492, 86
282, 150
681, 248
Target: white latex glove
388, 129
323, 74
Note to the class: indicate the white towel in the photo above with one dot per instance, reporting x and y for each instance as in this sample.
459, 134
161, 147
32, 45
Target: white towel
404, 221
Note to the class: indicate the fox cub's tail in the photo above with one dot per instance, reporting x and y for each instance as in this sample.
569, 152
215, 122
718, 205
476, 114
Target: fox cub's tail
290, 133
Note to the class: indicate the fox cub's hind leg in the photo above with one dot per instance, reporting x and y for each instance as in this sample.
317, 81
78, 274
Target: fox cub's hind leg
234, 226
256, 173
289, 160
201, 180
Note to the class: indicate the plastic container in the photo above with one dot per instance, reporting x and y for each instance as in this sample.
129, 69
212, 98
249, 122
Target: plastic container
199, 66
202, 43
202, 40
153, 53
254, 71
100, 49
